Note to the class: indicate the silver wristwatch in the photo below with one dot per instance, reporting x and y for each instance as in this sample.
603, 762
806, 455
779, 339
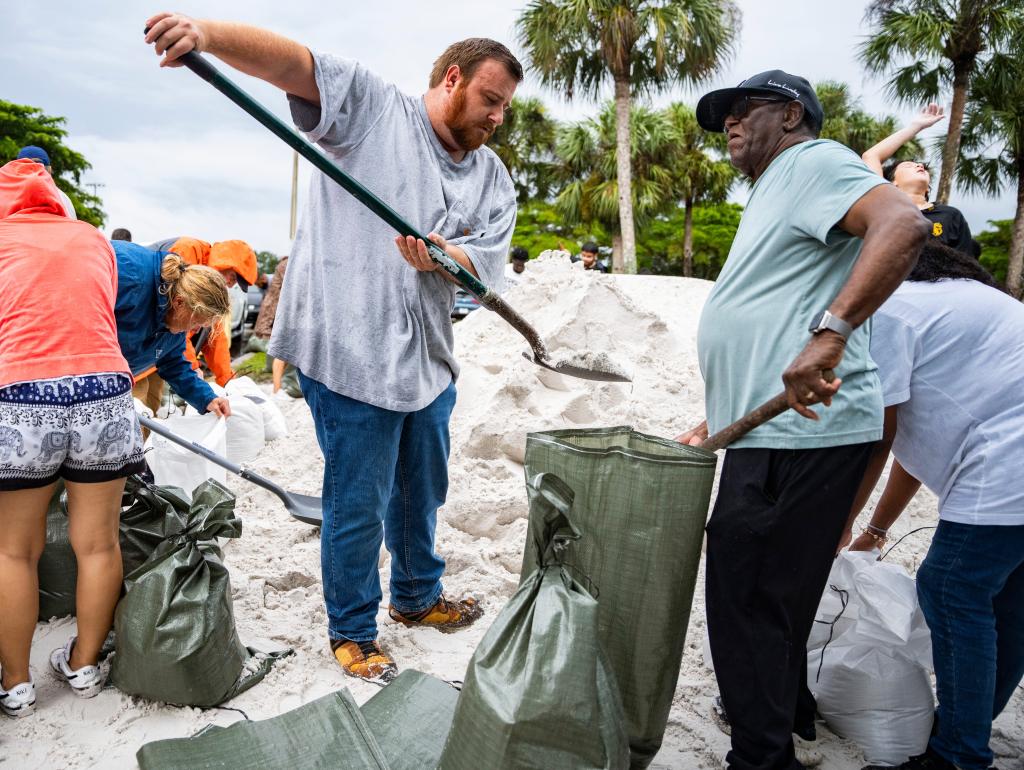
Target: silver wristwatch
825, 320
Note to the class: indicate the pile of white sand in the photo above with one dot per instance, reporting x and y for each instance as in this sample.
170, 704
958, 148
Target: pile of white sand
647, 324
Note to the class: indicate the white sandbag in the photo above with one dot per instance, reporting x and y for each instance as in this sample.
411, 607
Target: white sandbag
871, 681
173, 465
245, 430
274, 424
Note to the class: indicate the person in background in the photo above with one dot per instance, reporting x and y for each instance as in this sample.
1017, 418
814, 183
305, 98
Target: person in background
946, 330
821, 244
160, 298
265, 325
516, 266
914, 178
39, 155
236, 262
66, 412
589, 257
121, 234
385, 405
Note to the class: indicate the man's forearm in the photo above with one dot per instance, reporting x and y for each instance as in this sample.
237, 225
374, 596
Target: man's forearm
280, 61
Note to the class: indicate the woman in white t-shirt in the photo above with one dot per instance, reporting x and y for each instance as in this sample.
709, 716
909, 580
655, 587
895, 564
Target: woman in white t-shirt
950, 353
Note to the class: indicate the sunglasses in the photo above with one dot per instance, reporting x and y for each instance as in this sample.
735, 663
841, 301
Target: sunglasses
742, 105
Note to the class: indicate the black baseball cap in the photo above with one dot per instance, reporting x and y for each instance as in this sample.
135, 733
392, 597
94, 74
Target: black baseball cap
713, 108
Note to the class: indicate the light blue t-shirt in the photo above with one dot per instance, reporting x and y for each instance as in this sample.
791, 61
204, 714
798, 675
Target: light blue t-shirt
788, 262
951, 355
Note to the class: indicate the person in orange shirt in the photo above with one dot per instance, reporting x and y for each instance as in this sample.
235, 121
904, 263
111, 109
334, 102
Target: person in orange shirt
236, 261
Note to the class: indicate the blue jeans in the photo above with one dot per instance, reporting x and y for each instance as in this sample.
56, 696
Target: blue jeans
971, 588
385, 476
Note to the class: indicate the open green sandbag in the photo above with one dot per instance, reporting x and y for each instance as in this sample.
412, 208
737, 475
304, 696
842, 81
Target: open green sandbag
176, 637
640, 506
539, 692
58, 568
152, 513
411, 718
326, 734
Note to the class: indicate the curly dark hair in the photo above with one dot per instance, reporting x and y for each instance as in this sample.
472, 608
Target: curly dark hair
939, 261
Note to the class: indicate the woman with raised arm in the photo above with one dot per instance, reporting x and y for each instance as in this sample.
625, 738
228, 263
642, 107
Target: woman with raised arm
914, 178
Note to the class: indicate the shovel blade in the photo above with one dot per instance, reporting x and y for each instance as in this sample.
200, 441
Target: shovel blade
596, 375
305, 508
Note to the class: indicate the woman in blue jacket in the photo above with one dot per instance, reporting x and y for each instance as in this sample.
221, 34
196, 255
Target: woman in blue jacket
160, 299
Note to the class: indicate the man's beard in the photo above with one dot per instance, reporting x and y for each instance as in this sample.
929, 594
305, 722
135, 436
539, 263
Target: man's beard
468, 136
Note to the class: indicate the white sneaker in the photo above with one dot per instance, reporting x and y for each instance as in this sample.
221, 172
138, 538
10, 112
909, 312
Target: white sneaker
20, 700
86, 682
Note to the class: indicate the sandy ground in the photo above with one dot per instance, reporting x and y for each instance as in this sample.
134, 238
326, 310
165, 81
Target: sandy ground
646, 323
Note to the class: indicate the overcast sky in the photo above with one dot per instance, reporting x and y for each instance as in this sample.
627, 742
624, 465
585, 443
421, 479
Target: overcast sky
174, 157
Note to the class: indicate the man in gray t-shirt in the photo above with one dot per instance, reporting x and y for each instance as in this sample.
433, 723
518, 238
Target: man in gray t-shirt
366, 315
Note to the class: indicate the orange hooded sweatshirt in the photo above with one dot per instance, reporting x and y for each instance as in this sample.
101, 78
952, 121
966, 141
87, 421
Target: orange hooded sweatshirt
225, 255
58, 285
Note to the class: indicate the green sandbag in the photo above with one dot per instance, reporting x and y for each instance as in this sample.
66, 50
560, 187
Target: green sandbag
58, 568
539, 692
290, 382
641, 504
176, 637
152, 514
411, 718
326, 734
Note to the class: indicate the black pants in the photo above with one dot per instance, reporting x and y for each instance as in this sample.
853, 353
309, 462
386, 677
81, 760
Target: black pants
771, 541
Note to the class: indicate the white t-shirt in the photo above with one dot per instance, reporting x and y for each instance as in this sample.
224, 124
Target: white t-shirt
951, 355
69, 207
512, 278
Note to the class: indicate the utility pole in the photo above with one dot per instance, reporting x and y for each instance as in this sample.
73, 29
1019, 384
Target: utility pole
295, 194
94, 185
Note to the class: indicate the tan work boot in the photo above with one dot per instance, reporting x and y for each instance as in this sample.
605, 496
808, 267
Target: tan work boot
444, 615
364, 660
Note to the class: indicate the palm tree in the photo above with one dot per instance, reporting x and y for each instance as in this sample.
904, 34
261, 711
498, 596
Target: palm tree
930, 45
847, 123
640, 46
700, 172
525, 142
995, 118
588, 164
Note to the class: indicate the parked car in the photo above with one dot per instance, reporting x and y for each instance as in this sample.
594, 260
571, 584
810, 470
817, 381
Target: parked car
465, 303
255, 298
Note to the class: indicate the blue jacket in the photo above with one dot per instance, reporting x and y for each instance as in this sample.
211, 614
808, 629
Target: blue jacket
144, 338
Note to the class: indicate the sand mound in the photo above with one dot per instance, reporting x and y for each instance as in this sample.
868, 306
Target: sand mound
647, 324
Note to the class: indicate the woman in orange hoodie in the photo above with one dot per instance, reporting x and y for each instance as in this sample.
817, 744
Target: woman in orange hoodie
66, 412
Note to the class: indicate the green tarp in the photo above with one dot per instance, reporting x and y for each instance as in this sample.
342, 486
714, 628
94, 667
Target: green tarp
640, 506
539, 692
58, 569
326, 734
176, 637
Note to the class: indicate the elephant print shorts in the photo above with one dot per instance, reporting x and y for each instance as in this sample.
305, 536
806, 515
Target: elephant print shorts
82, 429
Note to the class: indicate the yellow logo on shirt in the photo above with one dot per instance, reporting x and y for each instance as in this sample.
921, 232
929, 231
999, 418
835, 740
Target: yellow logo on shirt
937, 229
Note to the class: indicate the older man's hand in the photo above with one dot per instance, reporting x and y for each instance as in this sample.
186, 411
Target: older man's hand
804, 379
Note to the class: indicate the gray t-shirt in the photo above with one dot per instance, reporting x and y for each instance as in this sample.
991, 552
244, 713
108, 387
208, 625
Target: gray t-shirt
951, 355
787, 263
353, 314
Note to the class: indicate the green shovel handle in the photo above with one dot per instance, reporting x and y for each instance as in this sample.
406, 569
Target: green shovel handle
293, 139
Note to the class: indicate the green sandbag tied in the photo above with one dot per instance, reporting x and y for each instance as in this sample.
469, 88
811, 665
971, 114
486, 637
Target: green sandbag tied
58, 568
176, 638
326, 734
149, 517
539, 692
411, 718
640, 506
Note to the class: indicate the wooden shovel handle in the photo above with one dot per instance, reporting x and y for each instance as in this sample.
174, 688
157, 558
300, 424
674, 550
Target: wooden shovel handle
762, 414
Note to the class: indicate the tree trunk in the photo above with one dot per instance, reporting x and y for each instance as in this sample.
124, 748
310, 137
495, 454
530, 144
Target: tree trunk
624, 168
1016, 267
688, 240
616, 253
951, 149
